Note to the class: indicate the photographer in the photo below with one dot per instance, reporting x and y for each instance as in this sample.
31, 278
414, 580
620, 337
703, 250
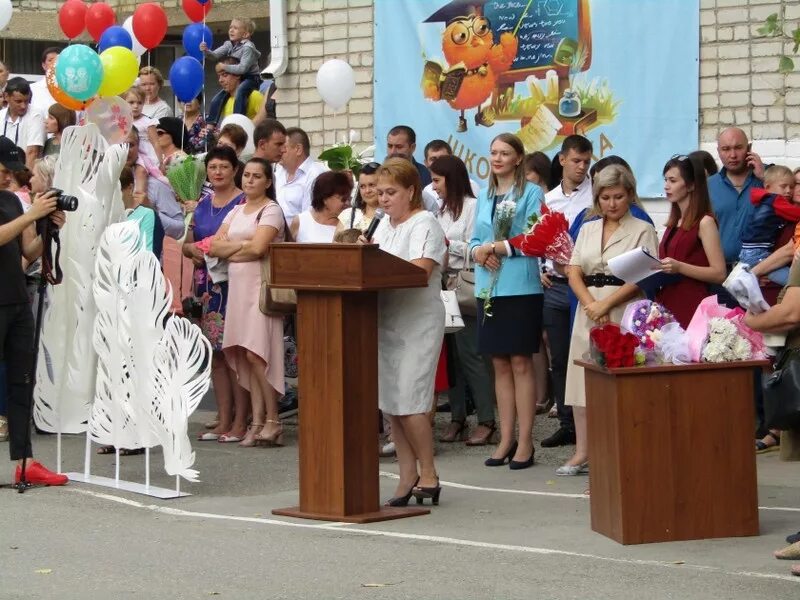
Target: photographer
18, 239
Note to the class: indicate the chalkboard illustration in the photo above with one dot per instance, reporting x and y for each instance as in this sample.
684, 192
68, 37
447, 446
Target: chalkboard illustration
533, 75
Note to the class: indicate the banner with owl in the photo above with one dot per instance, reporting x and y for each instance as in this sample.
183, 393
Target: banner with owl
616, 71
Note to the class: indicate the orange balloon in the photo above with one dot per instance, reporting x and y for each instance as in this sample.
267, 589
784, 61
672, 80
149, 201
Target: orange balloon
60, 95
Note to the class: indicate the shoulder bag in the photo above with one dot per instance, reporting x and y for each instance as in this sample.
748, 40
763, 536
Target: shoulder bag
463, 284
275, 302
782, 392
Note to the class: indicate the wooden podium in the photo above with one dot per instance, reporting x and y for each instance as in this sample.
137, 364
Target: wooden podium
337, 346
671, 451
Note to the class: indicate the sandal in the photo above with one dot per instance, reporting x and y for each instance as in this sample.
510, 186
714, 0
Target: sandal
227, 438
789, 553
482, 435
130, 451
763, 447
106, 450
3, 429
274, 439
796, 570
208, 436
456, 431
249, 440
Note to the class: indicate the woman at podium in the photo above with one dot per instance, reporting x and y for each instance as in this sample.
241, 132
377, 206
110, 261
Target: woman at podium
410, 329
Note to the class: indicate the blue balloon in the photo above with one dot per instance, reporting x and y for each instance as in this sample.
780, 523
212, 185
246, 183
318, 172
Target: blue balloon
203, 1
79, 71
114, 36
193, 35
186, 77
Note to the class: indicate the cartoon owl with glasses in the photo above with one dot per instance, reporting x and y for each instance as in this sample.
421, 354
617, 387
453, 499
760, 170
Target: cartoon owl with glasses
474, 64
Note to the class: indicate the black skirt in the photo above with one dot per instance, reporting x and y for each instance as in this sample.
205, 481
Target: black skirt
515, 326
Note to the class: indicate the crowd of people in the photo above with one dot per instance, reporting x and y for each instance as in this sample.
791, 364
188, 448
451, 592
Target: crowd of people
526, 322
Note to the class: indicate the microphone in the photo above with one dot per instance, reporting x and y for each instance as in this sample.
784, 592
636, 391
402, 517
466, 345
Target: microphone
376, 220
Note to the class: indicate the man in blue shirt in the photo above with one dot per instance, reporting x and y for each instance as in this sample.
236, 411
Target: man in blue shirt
402, 141
729, 189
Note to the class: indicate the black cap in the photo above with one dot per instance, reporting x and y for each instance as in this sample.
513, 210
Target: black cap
11, 156
175, 128
456, 8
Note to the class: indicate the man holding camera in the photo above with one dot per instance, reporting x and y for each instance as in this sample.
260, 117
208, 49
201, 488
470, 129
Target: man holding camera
18, 239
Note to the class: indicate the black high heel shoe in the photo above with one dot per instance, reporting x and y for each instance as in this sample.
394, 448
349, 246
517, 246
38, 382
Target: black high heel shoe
499, 462
402, 500
516, 465
421, 493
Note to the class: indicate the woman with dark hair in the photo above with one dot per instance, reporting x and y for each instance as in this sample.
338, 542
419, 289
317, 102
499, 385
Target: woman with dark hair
708, 162
172, 138
329, 197
58, 119
212, 296
538, 170
457, 217
510, 299
691, 245
253, 341
200, 138
365, 204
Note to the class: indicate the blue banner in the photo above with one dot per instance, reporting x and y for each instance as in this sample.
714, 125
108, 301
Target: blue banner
624, 73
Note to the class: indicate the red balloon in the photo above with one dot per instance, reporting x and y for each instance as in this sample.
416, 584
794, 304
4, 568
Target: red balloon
99, 17
197, 11
149, 24
72, 18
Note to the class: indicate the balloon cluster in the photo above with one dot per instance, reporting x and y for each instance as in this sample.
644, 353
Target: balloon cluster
83, 77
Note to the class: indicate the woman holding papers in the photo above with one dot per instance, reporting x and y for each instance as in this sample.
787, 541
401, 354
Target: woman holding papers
691, 246
602, 296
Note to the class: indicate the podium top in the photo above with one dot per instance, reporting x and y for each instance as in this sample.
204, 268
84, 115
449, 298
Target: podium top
645, 370
341, 267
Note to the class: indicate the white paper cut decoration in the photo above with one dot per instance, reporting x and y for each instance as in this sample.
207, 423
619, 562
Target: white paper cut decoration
182, 373
112, 420
65, 379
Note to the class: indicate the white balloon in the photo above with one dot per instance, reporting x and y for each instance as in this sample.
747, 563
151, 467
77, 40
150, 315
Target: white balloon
336, 83
246, 124
5, 13
138, 49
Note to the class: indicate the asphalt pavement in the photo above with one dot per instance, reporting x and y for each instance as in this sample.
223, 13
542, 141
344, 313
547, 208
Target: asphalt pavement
498, 534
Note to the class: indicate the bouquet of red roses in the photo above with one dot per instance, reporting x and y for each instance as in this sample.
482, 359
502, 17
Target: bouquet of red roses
548, 237
611, 347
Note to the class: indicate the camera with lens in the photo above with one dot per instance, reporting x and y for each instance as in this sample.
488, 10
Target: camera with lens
64, 201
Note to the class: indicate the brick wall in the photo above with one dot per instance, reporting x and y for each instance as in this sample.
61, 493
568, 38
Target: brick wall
321, 30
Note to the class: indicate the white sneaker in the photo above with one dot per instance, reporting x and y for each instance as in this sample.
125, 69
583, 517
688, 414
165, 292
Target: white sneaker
388, 449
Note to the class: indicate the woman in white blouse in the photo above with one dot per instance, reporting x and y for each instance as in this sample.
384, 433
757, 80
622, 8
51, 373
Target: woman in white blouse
329, 197
457, 218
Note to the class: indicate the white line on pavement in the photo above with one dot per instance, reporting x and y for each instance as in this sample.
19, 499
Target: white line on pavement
431, 538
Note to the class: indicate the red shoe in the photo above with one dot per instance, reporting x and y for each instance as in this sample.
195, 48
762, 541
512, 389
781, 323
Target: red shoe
37, 473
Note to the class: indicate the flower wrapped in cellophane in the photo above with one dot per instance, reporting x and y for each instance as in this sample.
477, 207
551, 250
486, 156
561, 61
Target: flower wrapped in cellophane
186, 176
645, 319
548, 237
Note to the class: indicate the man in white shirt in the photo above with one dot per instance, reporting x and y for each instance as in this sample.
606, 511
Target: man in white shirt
21, 124
42, 100
570, 197
295, 174
433, 150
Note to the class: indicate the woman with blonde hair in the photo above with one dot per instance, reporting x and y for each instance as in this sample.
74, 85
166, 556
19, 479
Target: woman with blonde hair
510, 297
602, 296
410, 329
151, 81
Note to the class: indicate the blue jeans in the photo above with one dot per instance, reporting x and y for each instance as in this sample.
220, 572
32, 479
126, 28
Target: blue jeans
753, 256
248, 85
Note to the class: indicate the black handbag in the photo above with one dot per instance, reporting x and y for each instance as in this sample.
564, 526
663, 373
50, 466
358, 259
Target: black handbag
782, 392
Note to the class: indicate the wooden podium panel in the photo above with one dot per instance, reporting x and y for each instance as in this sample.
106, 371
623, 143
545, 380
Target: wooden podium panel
671, 451
337, 348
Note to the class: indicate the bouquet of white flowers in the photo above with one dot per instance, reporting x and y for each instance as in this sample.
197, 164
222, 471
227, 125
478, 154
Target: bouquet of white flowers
504, 215
724, 343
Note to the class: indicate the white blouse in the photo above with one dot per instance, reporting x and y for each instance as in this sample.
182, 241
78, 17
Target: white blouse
458, 233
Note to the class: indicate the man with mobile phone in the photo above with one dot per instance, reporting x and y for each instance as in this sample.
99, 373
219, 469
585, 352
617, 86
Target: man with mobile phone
729, 189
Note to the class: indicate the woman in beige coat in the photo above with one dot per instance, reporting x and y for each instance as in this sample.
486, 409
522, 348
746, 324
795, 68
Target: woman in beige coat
602, 296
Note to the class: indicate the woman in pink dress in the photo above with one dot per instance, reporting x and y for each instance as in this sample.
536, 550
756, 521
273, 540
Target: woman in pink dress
252, 341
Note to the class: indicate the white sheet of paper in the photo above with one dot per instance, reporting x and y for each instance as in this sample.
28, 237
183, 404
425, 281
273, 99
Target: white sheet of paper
634, 265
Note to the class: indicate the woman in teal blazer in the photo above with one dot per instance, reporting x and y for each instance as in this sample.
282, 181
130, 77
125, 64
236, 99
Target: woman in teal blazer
509, 295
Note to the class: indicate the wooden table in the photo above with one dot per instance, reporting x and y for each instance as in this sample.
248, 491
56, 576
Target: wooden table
671, 451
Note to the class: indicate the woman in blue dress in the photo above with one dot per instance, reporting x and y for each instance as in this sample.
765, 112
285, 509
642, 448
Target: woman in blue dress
232, 401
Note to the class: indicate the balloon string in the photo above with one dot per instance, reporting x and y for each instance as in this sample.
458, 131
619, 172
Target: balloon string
203, 89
